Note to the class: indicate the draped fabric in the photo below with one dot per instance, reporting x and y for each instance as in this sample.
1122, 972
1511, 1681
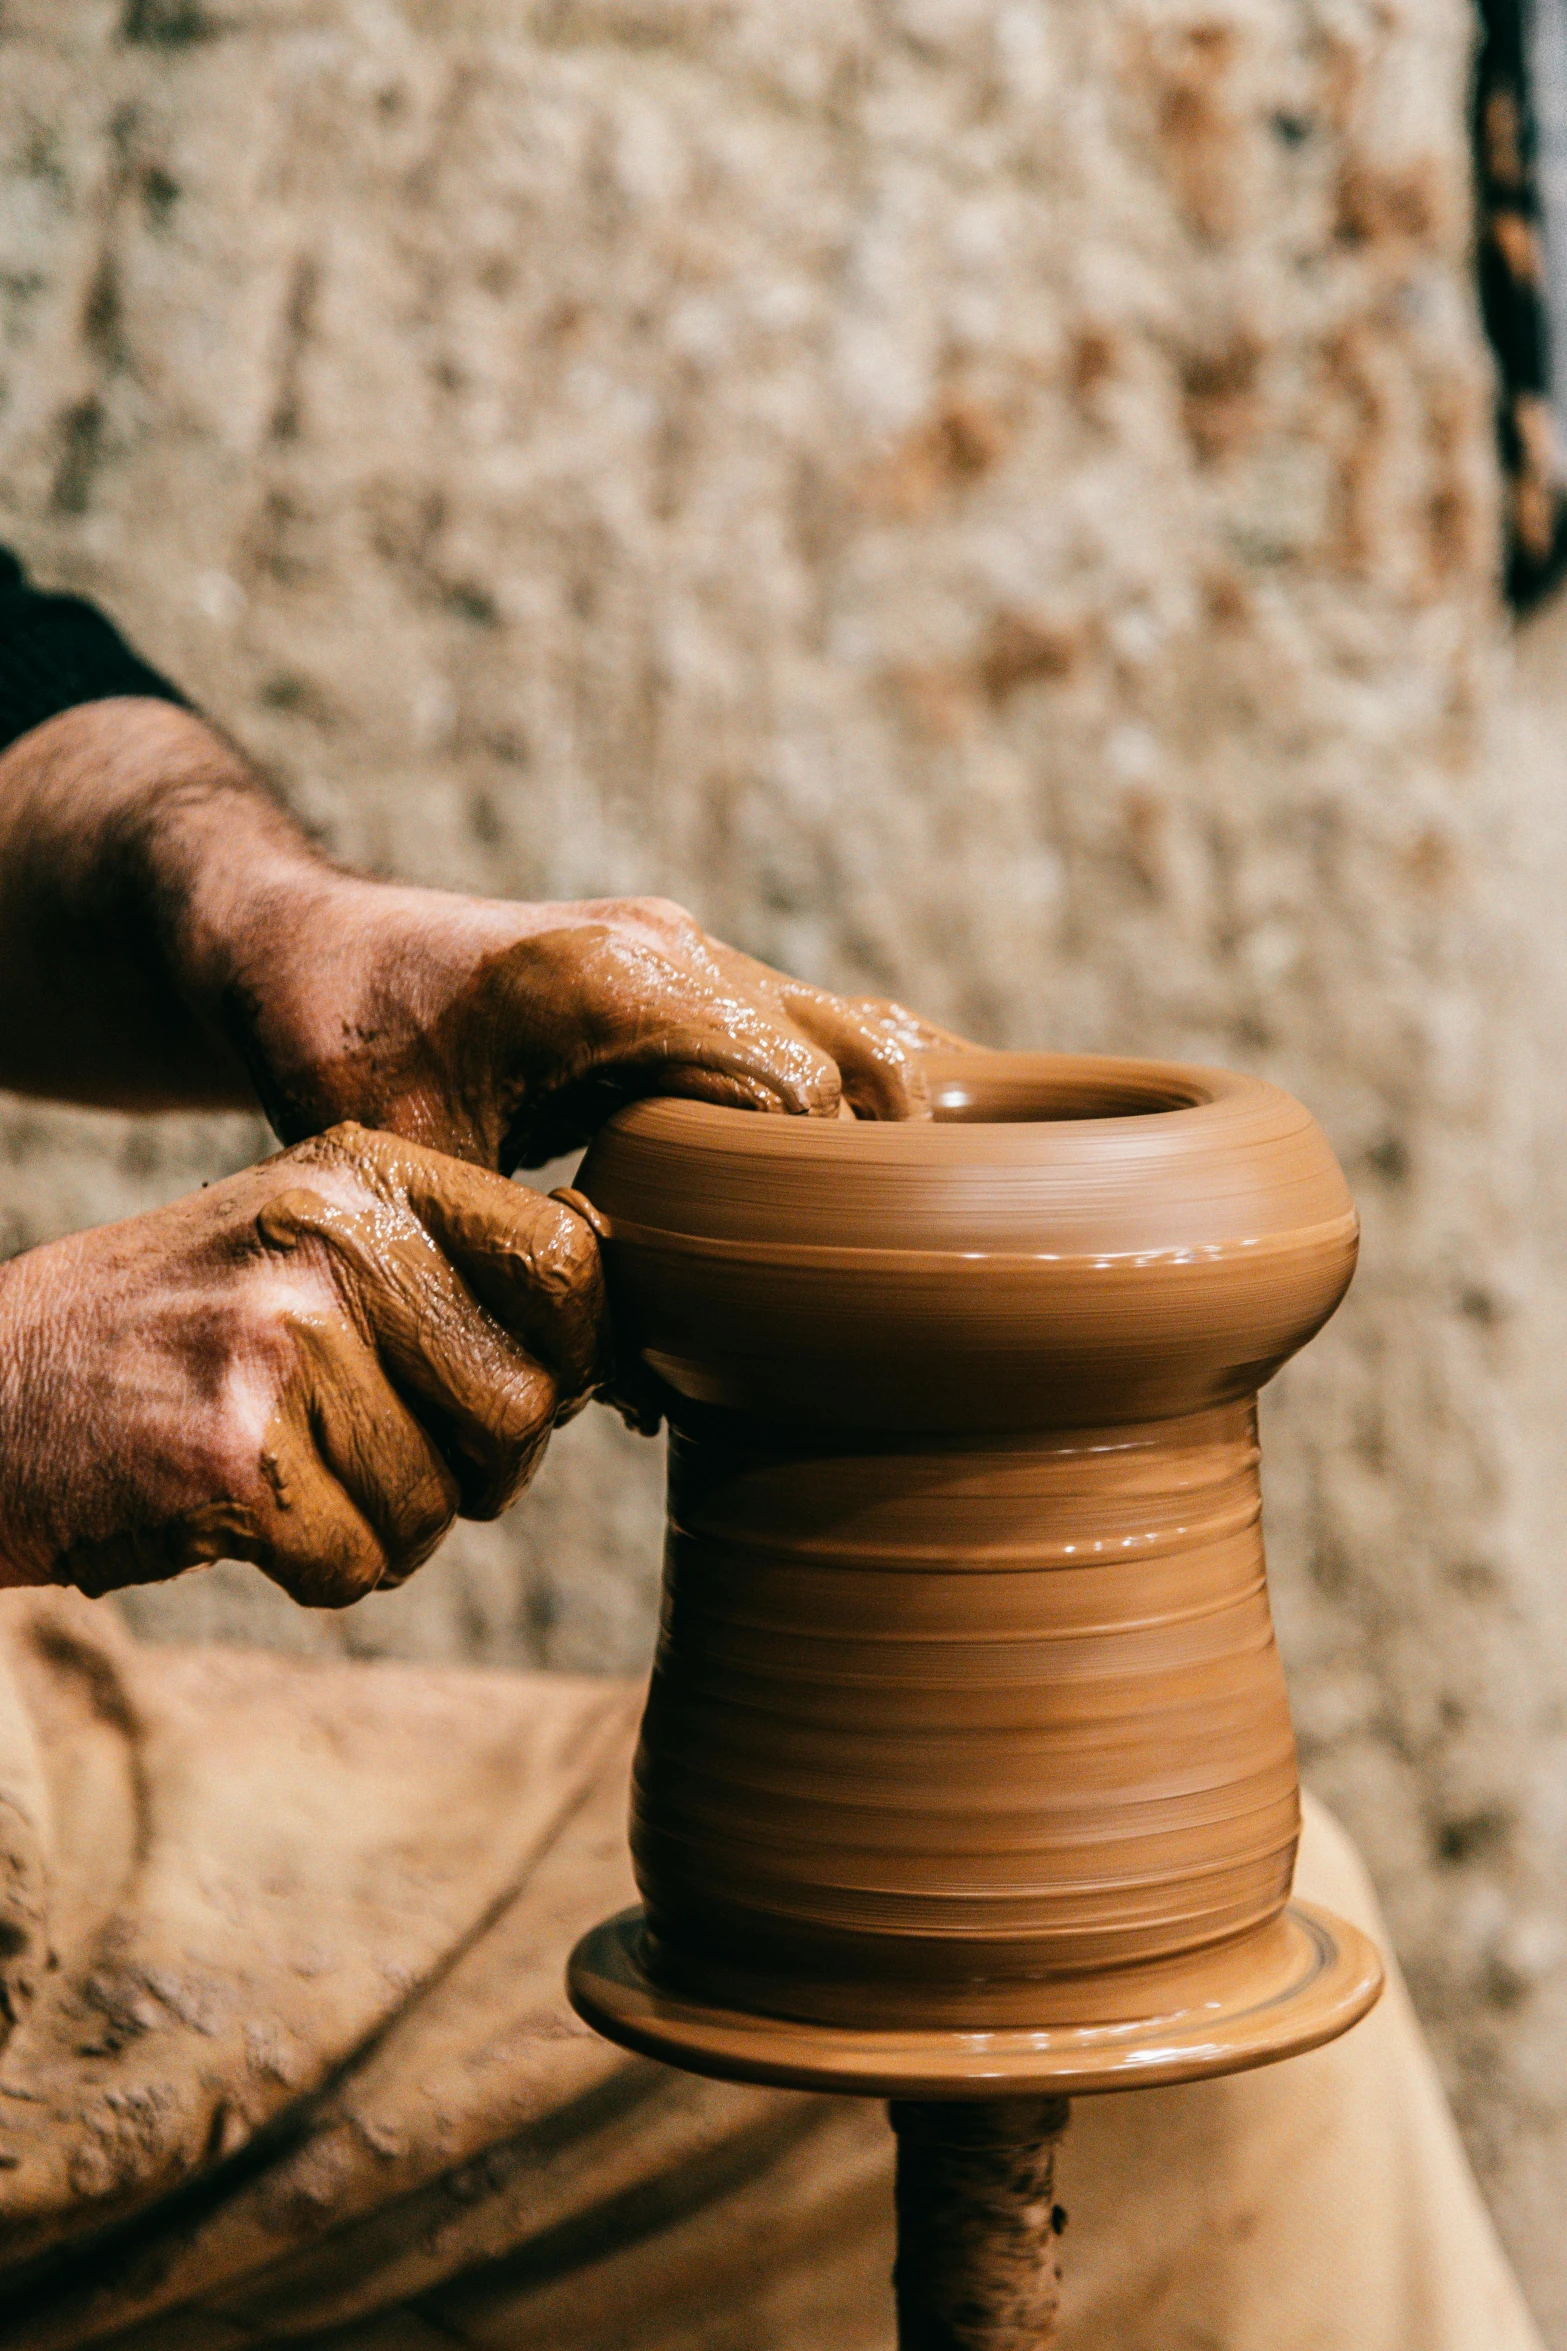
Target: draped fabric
289, 2063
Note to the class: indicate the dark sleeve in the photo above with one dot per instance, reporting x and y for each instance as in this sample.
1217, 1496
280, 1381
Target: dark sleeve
56, 651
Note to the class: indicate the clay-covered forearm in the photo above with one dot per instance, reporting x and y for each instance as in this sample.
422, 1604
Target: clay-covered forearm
134, 842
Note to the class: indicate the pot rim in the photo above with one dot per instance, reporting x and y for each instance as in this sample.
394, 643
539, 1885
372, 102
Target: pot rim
1219, 1158
1083, 1092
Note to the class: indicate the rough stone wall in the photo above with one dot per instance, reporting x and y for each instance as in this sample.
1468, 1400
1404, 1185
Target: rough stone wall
985, 499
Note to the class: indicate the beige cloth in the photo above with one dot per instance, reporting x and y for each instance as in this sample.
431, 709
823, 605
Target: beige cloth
291, 2064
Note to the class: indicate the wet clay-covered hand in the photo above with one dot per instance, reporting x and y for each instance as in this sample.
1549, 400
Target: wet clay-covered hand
507, 1033
167, 936
314, 1365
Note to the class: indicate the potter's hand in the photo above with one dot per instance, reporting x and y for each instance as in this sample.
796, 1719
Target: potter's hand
506, 1034
314, 1365
168, 937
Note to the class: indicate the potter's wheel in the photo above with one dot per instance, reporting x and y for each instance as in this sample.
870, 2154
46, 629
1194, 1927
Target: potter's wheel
966, 1777
1317, 1976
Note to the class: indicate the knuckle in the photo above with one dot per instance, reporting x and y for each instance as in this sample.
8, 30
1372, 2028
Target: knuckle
346, 1139
363, 1159
289, 1217
503, 1435
374, 1156
330, 1148
321, 1571
664, 913
524, 1407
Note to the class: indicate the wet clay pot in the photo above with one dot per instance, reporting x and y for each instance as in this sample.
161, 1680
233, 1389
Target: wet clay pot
967, 1716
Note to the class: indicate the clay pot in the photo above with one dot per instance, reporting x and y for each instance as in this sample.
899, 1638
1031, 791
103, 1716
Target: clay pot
967, 1712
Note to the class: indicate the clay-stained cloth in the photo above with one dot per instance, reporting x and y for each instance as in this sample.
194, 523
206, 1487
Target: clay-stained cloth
288, 2063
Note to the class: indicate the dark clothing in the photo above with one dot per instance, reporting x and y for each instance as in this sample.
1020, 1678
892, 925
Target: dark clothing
56, 651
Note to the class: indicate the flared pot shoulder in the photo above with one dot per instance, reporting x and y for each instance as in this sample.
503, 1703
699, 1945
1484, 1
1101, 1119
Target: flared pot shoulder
1069, 1242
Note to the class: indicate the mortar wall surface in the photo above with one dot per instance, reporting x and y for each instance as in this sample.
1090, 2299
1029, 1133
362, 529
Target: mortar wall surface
989, 501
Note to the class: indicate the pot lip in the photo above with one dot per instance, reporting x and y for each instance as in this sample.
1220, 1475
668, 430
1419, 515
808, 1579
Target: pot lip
1203, 1085
1237, 1162
1194, 1092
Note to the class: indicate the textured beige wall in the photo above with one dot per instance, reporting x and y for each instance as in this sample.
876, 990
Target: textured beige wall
988, 499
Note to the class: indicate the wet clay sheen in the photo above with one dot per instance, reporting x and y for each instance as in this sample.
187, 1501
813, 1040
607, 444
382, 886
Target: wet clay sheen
506, 1034
314, 1364
967, 1712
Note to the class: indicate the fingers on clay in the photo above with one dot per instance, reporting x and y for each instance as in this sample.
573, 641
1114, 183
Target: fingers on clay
880, 1073
531, 1264
481, 1396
